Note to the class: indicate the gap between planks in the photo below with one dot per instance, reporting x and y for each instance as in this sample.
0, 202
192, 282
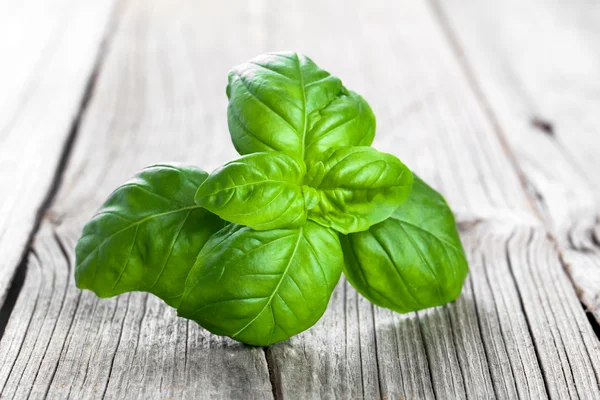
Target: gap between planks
17, 282
546, 127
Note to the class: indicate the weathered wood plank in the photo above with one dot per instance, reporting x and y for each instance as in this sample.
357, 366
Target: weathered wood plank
541, 77
516, 330
72, 345
509, 333
155, 100
48, 54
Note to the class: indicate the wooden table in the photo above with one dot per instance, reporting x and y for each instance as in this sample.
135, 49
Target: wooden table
496, 103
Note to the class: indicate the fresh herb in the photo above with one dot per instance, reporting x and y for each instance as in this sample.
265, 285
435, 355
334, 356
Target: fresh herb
254, 250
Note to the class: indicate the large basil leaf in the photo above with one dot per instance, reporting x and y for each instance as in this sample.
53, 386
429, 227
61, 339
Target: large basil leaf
261, 190
285, 102
146, 236
411, 261
262, 287
357, 187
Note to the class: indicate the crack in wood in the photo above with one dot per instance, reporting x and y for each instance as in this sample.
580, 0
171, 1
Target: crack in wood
13, 294
62, 304
502, 334
63, 249
29, 322
275, 383
592, 320
379, 383
525, 315
558, 348
427, 355
114, 355
481, 334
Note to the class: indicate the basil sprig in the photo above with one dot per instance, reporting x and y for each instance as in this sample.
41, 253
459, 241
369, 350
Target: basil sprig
254, 250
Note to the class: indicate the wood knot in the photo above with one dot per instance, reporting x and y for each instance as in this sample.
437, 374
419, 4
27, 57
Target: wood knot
543, 125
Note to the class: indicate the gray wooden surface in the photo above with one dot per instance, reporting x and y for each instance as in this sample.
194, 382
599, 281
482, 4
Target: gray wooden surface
494, 103
541, 78
49, 50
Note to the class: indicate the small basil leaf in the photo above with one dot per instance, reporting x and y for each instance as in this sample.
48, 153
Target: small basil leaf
262, 287
146, 236
346, 121
357, 187
261, 190
285, 102
411, 261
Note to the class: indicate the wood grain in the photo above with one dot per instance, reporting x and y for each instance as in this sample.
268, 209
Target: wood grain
48, 54
541, 78
151, 103
516, 331
70, 345
508, 332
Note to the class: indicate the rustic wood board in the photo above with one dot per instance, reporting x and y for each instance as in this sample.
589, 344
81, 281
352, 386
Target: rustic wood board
506, 321
48, 54
517, 330
541, 79
155, 99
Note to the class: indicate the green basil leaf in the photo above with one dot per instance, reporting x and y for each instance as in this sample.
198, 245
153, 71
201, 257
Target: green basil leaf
262, 287
357, 188
285, 102
411, 261
346, 121
261, 190
146, 236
